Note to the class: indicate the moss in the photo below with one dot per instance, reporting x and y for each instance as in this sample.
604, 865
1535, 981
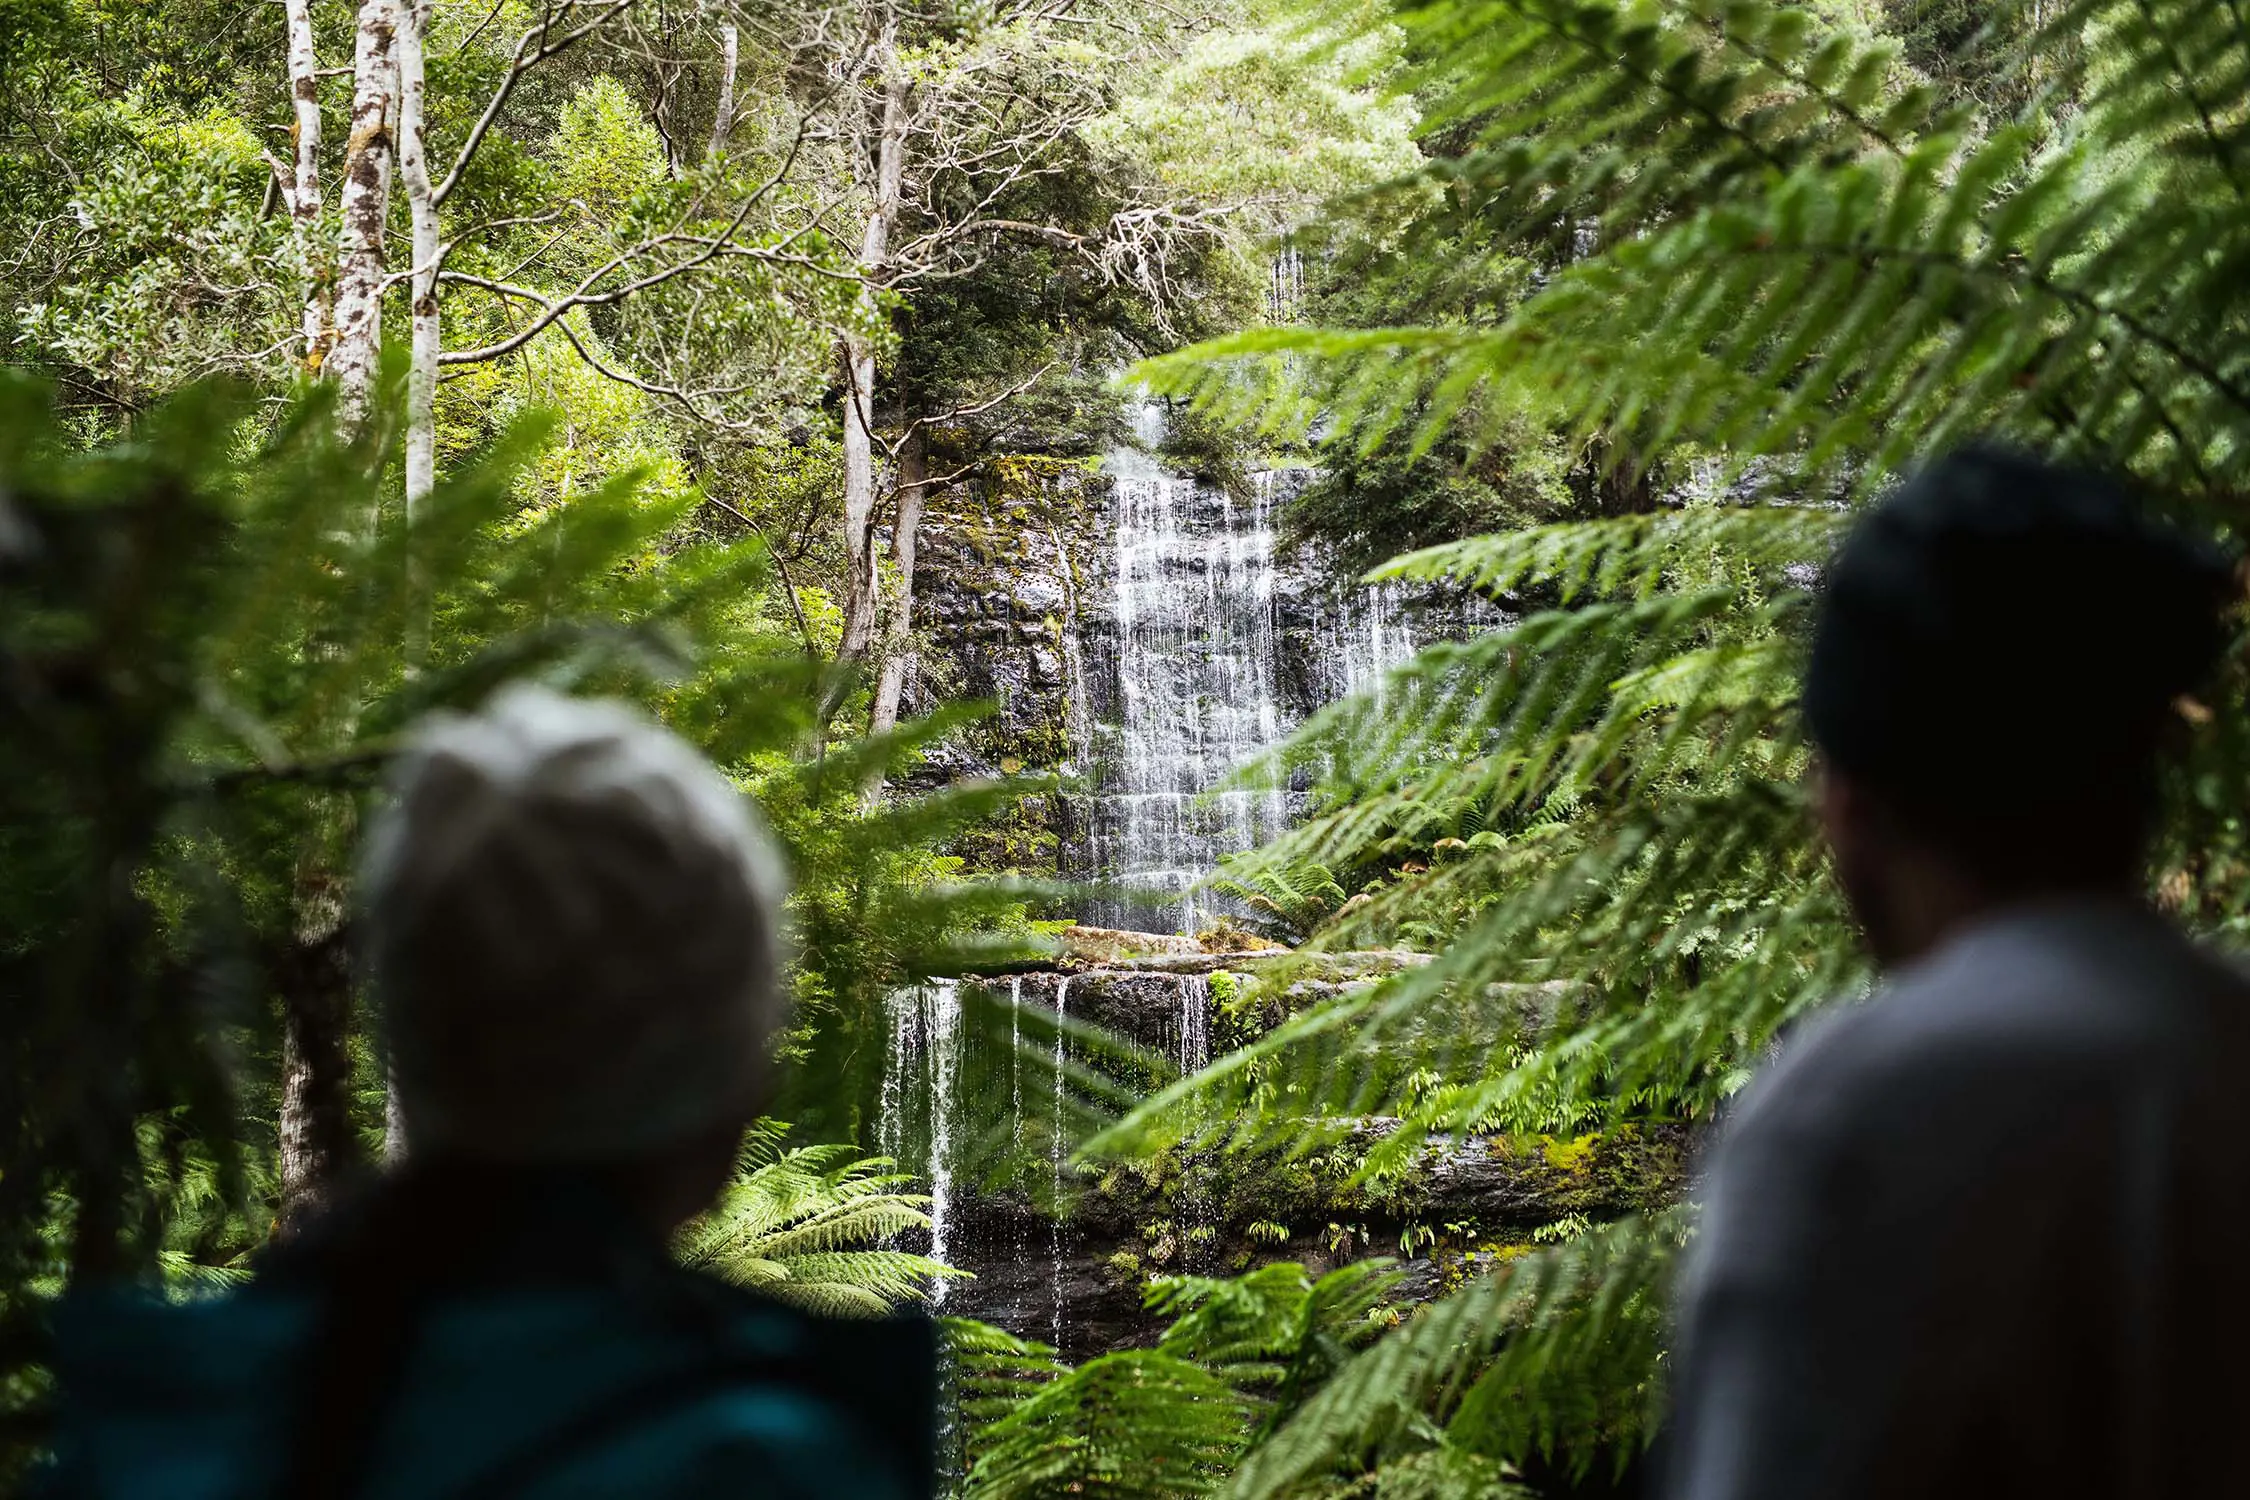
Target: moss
1574, 1156
1123, 1268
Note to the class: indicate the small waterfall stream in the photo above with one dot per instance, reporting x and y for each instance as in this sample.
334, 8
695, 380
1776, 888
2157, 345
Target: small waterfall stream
1058, 1150
920, 1074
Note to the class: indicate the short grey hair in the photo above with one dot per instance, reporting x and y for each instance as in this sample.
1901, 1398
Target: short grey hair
573, 922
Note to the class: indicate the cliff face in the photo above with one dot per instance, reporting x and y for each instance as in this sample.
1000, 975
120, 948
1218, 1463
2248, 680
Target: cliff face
1143, 638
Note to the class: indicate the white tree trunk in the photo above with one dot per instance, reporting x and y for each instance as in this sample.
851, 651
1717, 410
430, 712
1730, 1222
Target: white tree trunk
859, 370
368, 158
422, 212
730, 60
859, 500
304, 184
898, 621
422, 284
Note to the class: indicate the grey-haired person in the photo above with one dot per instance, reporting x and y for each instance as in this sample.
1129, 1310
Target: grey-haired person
573, 922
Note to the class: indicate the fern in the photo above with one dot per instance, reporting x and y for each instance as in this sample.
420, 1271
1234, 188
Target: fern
1772, 263
806, 1226
1804, 258
210, 636
1550, 1354
1140, 1424
1289, 903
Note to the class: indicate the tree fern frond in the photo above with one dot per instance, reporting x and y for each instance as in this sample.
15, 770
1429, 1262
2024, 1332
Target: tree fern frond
1552, 1352
1842, 307
1134, 1425
804, 1225
1625, 556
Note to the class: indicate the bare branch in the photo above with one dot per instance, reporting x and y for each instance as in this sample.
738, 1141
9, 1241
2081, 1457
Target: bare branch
518, 65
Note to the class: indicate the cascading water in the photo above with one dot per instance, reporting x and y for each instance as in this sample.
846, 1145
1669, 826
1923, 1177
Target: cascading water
1221, 647
921, 1068
1059, 1148
1195, 1022
1193, 605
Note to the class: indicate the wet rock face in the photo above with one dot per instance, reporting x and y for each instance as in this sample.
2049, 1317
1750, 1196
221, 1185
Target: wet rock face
1077, 1280
1142, 637
1003, 582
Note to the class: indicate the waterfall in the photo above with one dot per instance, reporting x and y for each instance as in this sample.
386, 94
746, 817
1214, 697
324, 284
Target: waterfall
1191, 643
1222, 647
1015, 1048
1195, 1022
1285, 286
1058, 1143
921, 1068
1194, 602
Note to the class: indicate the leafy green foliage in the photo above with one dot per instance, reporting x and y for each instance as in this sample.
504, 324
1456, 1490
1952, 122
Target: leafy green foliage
1239, 1357
1794, 259
806, 1226
1551, 1354
1290, 901
210, 636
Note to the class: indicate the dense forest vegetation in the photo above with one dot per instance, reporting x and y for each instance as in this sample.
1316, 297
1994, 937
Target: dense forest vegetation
364, 357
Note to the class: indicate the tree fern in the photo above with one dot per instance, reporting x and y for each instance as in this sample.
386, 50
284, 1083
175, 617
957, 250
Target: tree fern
1800, 257
807, 1226
1139, 1424
1777, 267
210, 635
1552, 1353
1239, 1358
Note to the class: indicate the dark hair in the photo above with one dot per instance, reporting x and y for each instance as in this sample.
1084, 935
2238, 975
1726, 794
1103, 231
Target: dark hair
1998, 648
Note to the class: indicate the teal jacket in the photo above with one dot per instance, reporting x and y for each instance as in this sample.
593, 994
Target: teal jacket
557, 1357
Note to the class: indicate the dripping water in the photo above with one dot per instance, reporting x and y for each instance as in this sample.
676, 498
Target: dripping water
921, 1067
1055, 1157
1195, 1022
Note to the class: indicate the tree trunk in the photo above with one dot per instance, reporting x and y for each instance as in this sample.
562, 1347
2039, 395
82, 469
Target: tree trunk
368, 159
859, 371
414, 175
304, 183
730, 61
898, 623
314, 980
859, 501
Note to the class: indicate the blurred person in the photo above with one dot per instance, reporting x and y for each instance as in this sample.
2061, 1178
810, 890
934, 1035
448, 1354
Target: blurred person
1984, 1234
572, 923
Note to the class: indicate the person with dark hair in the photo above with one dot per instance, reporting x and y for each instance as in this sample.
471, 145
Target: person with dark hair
574, 927
1984, 1234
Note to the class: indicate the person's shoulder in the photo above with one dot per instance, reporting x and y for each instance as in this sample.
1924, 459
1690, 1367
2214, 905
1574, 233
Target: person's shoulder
2014, 1017
125, 1339
673, 1384
149, 1386
756, 1324
870, 1382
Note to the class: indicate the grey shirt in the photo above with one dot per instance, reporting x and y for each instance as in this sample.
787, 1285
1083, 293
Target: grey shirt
1987, 1234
